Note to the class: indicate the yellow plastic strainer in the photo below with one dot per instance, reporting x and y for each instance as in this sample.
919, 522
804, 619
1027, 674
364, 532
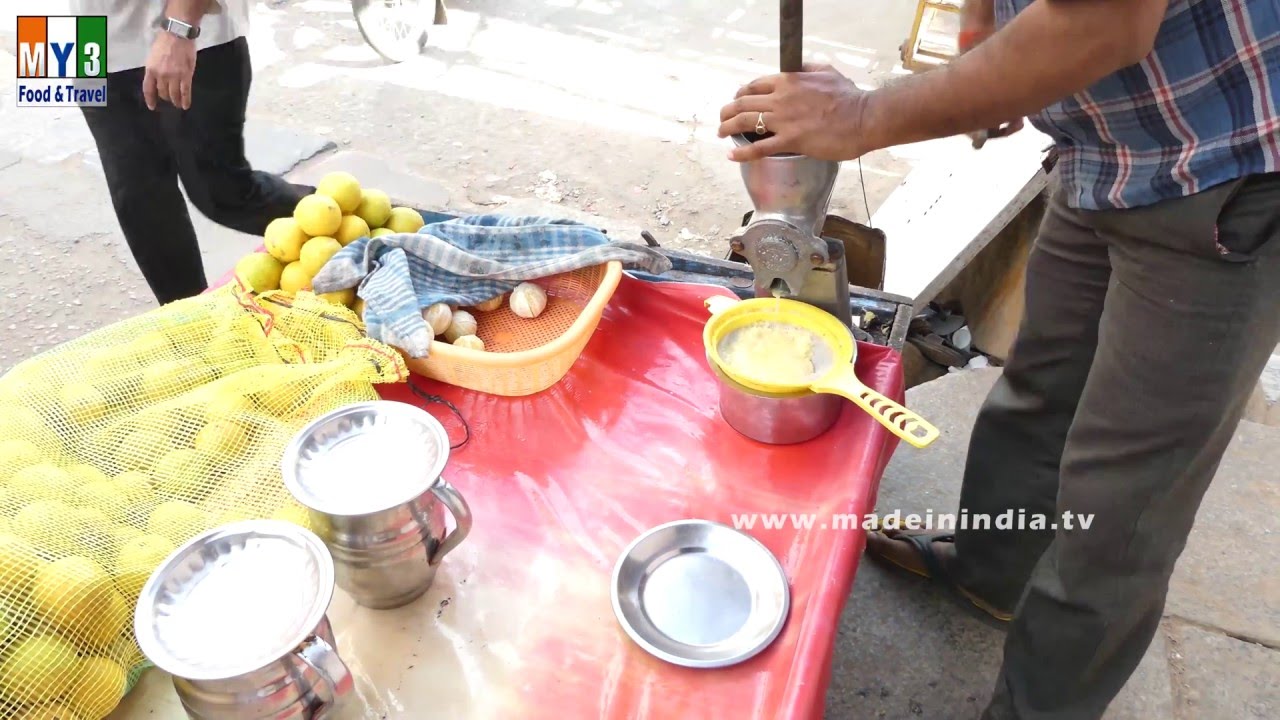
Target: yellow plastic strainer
833, 356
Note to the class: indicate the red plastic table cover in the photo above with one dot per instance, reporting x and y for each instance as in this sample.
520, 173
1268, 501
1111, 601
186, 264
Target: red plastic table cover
560, 482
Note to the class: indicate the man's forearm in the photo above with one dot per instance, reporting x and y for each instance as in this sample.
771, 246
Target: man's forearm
1053, 49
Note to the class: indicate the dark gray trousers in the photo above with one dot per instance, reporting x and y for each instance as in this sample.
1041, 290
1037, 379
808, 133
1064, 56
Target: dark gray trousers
1145, 331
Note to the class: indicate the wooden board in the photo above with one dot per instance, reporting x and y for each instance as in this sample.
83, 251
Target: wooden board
951, 205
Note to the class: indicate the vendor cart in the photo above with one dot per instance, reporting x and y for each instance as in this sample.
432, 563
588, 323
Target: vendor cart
519, 624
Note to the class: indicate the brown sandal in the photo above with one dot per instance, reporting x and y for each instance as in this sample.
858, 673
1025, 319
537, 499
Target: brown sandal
934, 571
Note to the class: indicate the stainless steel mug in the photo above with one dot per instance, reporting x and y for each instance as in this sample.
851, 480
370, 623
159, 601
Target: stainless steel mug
370, 475
238, 617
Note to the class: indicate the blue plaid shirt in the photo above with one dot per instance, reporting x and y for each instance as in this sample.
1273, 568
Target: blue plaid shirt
1202, 109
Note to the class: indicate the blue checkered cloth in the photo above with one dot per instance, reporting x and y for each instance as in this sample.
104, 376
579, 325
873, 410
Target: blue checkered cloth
464, 261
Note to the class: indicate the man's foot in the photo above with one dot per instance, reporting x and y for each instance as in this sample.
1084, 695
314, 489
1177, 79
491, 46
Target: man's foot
929, 555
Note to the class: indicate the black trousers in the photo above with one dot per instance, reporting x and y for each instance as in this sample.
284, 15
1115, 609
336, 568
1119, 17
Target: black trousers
145, 153
1145, 331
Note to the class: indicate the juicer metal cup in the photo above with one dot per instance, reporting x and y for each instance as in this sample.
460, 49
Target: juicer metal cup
238, 617
370, 476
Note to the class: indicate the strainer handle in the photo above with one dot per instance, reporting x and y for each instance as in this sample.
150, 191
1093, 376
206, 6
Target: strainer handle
913, 429
453, 500
335, 683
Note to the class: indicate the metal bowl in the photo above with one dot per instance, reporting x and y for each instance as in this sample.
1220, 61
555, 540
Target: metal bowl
234, 599
700, 594
352, 461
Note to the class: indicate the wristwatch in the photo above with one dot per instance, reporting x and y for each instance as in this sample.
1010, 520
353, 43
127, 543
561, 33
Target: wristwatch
179, 28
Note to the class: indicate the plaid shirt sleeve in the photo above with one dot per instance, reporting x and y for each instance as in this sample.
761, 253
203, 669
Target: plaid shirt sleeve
1202, 109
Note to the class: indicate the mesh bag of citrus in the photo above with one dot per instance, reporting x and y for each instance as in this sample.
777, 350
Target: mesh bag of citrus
119, 446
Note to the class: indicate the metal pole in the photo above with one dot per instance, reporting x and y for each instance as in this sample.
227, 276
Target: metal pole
791, 34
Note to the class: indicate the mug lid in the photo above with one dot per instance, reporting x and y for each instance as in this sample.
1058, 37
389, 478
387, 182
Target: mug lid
365, 458
234, 599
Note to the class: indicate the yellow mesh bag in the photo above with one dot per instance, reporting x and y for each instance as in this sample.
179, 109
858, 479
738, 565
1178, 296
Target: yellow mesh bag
119, 446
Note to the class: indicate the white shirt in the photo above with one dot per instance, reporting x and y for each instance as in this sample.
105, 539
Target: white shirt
132, 26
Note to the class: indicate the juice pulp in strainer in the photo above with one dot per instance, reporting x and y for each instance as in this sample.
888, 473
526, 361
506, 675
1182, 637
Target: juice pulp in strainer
771, 352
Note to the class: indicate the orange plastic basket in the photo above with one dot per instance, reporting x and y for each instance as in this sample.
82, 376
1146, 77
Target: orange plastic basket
526, 356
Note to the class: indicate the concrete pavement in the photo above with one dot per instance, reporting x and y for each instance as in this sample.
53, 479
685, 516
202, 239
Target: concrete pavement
904, 651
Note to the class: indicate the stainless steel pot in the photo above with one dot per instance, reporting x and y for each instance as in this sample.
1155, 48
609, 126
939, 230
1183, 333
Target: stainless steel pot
238, 617
776, 419
370, 475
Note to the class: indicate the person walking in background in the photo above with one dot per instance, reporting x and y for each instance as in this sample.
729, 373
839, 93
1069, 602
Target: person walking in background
1152, 306
177, 88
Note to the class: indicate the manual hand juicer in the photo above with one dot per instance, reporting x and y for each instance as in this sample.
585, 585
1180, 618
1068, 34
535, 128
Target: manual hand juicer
783, 242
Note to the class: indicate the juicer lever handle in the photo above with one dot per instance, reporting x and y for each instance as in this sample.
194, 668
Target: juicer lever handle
791, 35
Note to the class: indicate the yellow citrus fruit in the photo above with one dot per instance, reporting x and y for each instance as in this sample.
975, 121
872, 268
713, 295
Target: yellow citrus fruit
17, 421
83, 403
222, 438
97, 688
404, 220
358, 307
284, 239
185, 474
49, 525
177, 520
318, 215
381, 231
232, 348
374, 208
137, 559
317, 252
38, 670
260, 271
77, 595
343, 188
85, 474
17, 454
340, 297
103, 495
43, 481
352, 229
173, 377
293, 513
14, 616
19, 563
228, 404
140, 449
295, 277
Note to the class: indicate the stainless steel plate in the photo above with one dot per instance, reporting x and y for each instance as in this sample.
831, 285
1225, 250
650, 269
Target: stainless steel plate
365, 458
234, 599
700, 594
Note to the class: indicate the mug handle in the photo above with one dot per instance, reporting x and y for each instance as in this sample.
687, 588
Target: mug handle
335, 679
453, 500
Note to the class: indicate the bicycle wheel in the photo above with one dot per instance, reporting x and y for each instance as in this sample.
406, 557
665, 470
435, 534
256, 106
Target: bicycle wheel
395, 29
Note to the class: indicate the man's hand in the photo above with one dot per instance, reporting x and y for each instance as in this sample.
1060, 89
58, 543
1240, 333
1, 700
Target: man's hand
817, 113
170, 67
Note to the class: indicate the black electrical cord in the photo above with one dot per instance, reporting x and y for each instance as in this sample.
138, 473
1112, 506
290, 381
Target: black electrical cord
430, 398
863, 183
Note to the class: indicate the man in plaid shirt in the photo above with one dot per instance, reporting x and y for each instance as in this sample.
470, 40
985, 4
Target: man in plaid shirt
1152, 305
